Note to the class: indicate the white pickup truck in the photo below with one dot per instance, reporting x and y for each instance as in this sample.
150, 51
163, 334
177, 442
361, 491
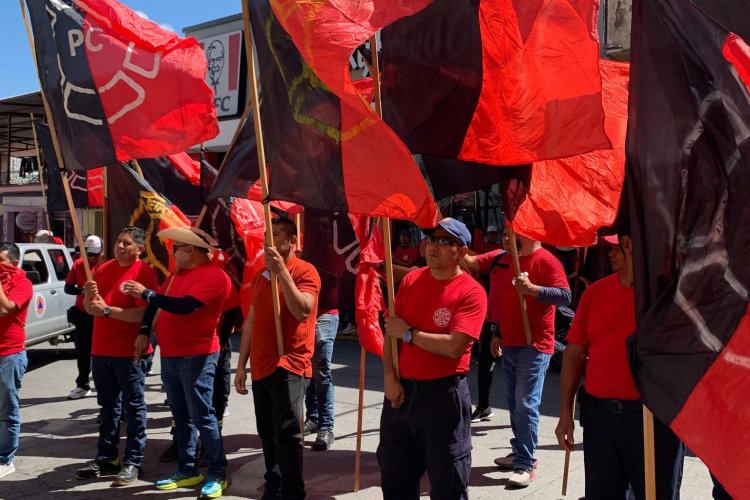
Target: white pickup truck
46, 266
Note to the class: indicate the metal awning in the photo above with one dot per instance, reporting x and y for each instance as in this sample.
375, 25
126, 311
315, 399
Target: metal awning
15, 123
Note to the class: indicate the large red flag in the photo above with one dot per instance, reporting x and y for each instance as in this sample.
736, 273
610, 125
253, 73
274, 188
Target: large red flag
119, 86
571, 198
368, 295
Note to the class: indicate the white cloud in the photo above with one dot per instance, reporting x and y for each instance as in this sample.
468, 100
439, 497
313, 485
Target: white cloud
166, 26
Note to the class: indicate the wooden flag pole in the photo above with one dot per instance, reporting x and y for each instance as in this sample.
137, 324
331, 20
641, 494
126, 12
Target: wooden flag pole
53, 132
262, 167
517, 268
105, 214
360, 412
566, 466
41, 171
648, 453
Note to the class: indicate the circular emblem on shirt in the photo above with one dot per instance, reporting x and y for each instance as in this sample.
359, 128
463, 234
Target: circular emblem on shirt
441, 317
122, 287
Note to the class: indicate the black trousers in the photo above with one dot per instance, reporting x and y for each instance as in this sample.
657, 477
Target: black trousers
486, 364
222, 382
430, 431
279, 405
613, 451
84, 324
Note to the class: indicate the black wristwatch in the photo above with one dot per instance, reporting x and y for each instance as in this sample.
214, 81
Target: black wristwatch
408, 335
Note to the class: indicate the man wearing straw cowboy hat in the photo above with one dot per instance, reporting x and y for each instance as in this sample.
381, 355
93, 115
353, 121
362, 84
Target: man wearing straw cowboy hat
279, 382
611, 409
189, 306
425, 424
543, 285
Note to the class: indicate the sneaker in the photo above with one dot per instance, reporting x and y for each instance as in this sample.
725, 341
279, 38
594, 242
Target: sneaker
79, 393
6, 469
179, 479
99, 468
310, 428
482, 414
521, 478
324, 440
214, 487
170, 453
506, 462
351, 329
226, 411
127, 475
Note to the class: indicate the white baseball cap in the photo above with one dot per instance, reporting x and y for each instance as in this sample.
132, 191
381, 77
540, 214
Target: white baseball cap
491, 229
93, 244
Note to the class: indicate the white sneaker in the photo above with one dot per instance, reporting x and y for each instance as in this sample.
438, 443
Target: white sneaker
350, 329
521, 478
6, 469
79, 393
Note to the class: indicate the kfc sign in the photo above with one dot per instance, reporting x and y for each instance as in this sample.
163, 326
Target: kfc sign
223, 53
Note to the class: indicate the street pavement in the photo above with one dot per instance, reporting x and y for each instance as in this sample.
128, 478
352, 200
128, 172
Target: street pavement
59, 436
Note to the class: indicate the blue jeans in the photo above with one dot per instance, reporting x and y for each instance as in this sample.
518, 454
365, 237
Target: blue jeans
189, 382
525, 369
319, 396
120, 382
12, 369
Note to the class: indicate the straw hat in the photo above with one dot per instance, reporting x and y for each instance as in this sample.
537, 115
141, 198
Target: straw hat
190, 236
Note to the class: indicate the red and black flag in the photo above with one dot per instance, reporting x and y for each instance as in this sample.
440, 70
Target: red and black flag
134, 202
239, 227
326, 148
178, 178
85, 187
498, 82
688, 171
119, 86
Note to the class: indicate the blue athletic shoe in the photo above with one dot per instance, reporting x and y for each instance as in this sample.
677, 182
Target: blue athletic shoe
214, 487
178, 479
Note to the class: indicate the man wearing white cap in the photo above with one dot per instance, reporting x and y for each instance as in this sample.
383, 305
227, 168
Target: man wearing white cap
189, 305
46, 236
77, 315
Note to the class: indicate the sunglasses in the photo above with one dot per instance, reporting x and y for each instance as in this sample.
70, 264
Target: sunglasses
177, 247
442, 241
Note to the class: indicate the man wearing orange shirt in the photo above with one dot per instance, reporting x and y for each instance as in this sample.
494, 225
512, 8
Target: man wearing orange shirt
189, 305
279, 382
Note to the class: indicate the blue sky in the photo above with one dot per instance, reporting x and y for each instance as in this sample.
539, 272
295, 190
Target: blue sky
18, 73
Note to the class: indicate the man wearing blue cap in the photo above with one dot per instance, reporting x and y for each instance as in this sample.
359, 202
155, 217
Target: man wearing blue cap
425, 424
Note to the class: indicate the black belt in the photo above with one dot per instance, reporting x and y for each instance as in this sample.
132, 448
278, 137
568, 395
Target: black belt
617, 406
416, 385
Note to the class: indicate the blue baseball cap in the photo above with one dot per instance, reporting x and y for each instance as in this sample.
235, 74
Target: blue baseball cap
457, 229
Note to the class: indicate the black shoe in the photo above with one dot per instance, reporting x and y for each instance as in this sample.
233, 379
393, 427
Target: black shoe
170, 453
324, 440
481, 414
127, 475
99, 469
310, 427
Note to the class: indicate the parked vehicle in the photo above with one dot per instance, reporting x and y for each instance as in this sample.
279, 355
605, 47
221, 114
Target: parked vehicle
46, 266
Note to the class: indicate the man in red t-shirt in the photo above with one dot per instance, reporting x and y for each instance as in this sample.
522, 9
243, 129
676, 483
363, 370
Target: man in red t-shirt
543, 285
405, 254
279, 382
185, 313
77, 315
119, 382
611, 410
425, 423
15, 295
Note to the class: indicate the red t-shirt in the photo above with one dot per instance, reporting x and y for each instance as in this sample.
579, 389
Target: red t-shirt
405, 256
18, 289
299, 338
77, 277
438, 306
194, 333
505, 307
604, 320
114, 337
